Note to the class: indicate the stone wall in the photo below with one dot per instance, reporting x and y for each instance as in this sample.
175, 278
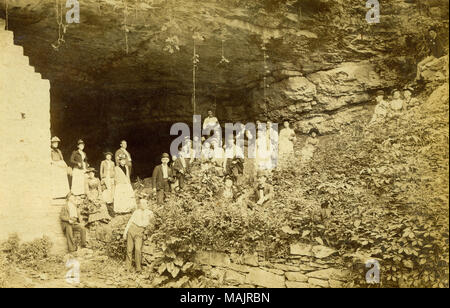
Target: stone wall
306, 266
25, 187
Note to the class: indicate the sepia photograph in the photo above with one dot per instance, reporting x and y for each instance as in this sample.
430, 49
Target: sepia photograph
221, 150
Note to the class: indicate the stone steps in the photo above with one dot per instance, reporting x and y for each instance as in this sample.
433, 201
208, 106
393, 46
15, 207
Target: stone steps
25, 189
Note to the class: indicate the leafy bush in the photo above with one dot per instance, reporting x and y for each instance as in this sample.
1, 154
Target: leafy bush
27, 253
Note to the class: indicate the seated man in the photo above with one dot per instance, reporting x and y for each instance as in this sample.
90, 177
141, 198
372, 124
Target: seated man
134, 233
71, 221
263, 190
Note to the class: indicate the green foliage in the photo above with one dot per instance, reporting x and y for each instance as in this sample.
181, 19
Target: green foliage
389, 196
28, 253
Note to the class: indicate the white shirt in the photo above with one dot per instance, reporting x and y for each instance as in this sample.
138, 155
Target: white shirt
127, 154
141, 218
210, 121
73, 213
165, 171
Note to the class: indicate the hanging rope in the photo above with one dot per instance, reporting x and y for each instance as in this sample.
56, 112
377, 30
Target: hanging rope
125, 13
61, 27
194, 68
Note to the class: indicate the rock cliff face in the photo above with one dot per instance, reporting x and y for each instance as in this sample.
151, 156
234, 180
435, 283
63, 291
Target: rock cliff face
127, 65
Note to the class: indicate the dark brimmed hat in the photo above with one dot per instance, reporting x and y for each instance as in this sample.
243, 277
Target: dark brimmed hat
122, 156
165, 155
80, 141
91, 170
108, 153
56, 139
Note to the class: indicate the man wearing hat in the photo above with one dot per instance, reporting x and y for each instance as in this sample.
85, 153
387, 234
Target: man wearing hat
435, 50
162, 176
79, 162
122, 151
134, 232
60, 181
263, 190
71, 221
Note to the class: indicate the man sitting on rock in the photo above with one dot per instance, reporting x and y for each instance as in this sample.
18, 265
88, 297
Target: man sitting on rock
263, 190
134, 233
435, 51
71, 221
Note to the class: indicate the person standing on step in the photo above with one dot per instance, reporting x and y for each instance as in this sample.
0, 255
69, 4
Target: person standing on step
79, 162
124, 198
180, 169
162, 177
122, 151
107, 173
59, 171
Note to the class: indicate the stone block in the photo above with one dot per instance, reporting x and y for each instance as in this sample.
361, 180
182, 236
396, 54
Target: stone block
234, 277
296, 276
262, 278
329, 273
213, 258
318, 282
297, 285
301, 249
321, 252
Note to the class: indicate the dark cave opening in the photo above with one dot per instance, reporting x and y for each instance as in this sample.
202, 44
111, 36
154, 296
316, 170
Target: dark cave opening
102, 128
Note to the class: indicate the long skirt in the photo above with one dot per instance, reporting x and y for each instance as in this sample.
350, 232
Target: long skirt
124, 199
78, 180
60, 181
101, 213
108, 193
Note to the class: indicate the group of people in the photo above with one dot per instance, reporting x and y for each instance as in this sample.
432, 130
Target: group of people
112, 193
393, 105
113, 188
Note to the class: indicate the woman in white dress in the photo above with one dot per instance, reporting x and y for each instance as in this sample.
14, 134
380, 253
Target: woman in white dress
79, 162
286, 144
59, 170
124, 197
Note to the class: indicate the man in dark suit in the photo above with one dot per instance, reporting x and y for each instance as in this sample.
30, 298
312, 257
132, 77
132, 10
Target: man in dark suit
71, 221
162, 177
181, 169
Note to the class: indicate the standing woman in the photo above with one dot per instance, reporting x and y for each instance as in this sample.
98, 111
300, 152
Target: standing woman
286, 144
60, 182
107, 176
78, 159
124, 199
